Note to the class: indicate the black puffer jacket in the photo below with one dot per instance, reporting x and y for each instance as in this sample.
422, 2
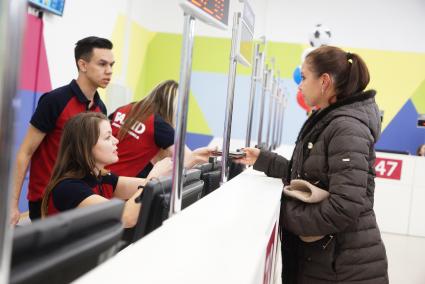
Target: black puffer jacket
334, 150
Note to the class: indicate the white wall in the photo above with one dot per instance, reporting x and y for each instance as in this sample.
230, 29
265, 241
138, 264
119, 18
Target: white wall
81, 18
378, 24
97, 17
161, 16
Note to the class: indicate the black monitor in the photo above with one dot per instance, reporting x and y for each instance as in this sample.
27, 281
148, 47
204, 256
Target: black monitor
421, 121
235, 169
63, 247
210, 175
156, 202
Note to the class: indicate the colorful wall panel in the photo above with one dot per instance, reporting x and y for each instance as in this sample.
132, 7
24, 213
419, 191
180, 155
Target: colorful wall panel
397, 76
34, 81
145, 58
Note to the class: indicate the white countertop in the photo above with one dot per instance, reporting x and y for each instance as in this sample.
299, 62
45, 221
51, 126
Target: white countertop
222, 238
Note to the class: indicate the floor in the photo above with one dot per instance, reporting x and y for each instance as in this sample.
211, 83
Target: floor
405, 258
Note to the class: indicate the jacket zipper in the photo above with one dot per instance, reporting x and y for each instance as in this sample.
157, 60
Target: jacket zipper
328, 242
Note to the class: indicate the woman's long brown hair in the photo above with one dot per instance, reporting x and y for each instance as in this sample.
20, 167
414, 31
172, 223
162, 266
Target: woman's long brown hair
75, 158
160, 101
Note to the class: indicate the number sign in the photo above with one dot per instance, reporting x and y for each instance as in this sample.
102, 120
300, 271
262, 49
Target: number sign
388, 168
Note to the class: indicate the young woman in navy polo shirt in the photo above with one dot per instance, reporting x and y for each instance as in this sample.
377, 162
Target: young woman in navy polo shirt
79, 177
145, 131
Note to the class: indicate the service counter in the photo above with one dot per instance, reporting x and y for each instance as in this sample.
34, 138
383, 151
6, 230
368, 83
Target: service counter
229, 236
400, 193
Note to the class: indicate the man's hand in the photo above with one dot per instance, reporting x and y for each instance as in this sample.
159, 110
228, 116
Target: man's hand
14, 214
29, 145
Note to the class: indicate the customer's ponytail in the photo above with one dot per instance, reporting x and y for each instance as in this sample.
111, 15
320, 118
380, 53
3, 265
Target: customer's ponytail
348, 70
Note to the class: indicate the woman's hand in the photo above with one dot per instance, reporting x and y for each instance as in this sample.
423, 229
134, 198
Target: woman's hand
199, 156
251, 156
202, 154
161, 168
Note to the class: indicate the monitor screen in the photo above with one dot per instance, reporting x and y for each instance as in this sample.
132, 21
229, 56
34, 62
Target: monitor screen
248, 15
210, 175
246, 35
63, 247
156, 203
219, 9
211, 12
51, 6
246, 46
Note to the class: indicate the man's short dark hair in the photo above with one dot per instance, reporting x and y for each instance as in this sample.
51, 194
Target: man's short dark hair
84, 47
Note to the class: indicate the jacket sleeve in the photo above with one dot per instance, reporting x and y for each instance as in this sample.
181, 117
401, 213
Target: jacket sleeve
271, 164
349, 143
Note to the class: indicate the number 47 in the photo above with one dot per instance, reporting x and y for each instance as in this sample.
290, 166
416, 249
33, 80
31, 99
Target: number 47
381, 167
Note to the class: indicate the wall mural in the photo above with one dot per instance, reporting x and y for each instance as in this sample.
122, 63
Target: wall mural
398, 77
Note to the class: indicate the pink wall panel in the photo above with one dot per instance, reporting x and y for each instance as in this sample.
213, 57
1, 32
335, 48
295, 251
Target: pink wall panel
34, 58
43, 84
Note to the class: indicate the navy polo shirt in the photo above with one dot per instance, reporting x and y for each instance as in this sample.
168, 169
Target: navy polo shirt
54, 109
69, 193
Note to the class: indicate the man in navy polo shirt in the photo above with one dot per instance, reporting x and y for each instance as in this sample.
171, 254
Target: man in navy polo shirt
94, 61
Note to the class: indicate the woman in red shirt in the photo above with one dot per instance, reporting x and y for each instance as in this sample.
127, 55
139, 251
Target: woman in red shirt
145, 131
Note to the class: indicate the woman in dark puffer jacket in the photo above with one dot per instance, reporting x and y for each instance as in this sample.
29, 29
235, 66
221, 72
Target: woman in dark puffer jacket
334, 151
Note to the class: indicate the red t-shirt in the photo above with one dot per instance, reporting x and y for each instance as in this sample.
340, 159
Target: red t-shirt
54, 109
141, 143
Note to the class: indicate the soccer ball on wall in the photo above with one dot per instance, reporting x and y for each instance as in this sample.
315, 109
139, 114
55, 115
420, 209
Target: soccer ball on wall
320, 35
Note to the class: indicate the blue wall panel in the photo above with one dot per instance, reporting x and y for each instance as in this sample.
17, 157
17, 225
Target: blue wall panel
214, 109
23, 113
194, 140
402, 134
